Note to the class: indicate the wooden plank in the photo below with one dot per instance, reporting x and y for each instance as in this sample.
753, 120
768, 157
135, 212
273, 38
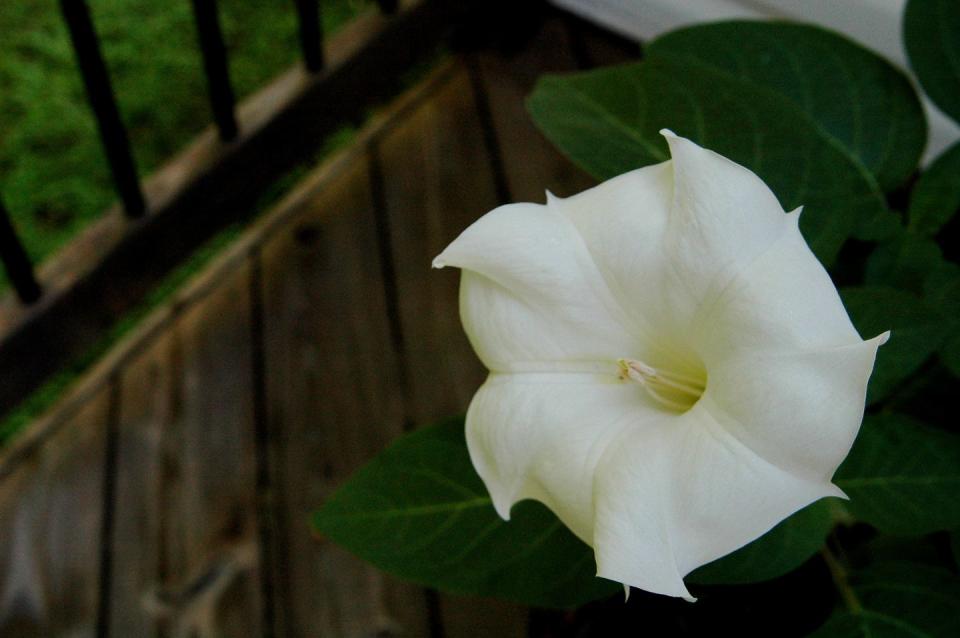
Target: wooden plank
437, 180
531, 163
51, 507
333, 401
145, 411
185, 537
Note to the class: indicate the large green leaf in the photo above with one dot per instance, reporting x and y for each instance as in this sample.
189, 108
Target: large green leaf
906, 261
608, 122
899, 600
917, 330
421, 512
855, 98
931, 31
942, 290
902, 476
936, 197
781, 550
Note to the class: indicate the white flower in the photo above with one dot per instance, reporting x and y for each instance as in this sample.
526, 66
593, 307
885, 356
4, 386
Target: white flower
672, 372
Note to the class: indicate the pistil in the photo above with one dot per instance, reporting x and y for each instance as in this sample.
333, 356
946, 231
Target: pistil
671, 389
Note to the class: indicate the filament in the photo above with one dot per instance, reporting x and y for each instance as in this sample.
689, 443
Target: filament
671, 389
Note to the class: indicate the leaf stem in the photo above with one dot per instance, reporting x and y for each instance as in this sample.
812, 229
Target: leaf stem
839, 575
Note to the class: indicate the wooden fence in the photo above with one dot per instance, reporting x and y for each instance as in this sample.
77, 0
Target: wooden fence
168, 494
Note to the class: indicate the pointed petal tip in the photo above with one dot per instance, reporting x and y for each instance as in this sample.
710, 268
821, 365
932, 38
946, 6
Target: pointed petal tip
674, 589
837, 493
667, 133
502, 506
882, 338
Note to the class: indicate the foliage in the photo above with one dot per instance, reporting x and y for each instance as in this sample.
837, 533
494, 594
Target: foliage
419, 510
898, 599
829, 126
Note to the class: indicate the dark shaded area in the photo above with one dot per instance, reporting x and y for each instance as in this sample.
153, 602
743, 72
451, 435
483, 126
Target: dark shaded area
792, 605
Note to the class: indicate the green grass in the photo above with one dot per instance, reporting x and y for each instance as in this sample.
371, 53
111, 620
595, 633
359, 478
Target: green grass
54, 178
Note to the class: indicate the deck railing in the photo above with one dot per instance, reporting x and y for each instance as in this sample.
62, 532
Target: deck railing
63, 311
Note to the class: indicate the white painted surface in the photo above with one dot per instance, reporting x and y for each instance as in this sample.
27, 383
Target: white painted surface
874, 23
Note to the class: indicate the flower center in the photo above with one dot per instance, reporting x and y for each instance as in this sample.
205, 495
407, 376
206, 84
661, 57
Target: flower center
675, 391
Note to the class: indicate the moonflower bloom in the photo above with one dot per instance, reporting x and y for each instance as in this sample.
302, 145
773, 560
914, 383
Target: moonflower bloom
672, 371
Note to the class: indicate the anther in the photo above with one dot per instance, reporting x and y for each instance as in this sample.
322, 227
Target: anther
673, 390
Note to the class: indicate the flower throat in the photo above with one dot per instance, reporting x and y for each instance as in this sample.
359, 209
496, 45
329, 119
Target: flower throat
672, 390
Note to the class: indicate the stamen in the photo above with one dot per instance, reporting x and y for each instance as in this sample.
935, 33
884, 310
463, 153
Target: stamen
684, 390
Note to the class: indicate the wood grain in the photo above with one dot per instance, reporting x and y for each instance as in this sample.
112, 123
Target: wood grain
334, 401
185, 536
144, 416
437, 181
51, 510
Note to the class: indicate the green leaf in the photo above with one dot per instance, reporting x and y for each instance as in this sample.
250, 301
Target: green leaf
917, 330
942, 290
421, 512
855, 98
905, 262
931, 32
899, 600
936, 197
950, 354
781, 550
903, 476
608, 122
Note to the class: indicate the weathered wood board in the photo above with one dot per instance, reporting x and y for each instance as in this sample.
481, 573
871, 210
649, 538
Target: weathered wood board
437, 181
51, 509
532, 165
185, 546
334, 400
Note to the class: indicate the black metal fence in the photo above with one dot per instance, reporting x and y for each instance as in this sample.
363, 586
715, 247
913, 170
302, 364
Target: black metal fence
113, 133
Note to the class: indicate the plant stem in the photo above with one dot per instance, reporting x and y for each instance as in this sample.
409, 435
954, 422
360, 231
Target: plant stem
839, 575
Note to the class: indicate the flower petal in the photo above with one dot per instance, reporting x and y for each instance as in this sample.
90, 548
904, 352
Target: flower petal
783, 300
541, 436
800, 410
622, 222
531, 296
723, 217
683, 493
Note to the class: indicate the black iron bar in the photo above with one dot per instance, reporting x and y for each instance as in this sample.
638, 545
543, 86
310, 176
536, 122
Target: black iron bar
104, 105
15, 260
215, 65
311, 35
387, 6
